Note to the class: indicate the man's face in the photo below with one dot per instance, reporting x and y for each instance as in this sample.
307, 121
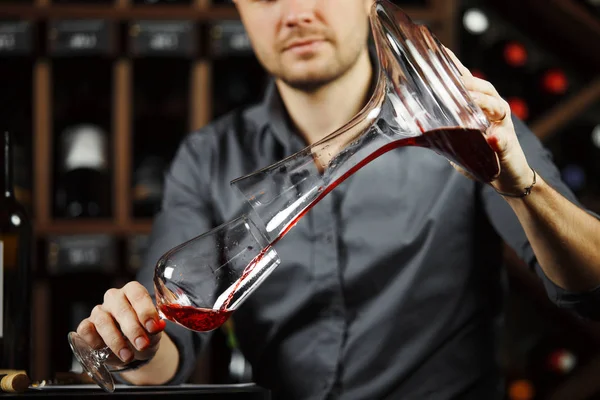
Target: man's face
306, 43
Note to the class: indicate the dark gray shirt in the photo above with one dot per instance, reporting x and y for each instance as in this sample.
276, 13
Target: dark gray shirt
390, 287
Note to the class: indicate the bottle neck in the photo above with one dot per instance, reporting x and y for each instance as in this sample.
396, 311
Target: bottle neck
6, 160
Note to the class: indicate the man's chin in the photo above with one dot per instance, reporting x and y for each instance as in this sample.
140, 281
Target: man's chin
308, 81
305, 85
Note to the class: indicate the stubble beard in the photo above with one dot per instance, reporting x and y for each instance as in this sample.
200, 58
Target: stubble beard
312, 81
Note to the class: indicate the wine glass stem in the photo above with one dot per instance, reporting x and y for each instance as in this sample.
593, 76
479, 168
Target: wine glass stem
101, 355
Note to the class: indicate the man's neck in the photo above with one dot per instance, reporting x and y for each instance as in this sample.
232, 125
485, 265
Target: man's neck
318, 113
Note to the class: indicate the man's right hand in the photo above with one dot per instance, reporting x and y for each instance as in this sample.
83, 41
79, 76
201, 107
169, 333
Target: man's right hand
127, 322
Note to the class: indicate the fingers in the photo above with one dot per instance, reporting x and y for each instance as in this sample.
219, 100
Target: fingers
87, 331
479, 85
495, 108
471, 82
127, 322
117, 304
111, 335
142, 304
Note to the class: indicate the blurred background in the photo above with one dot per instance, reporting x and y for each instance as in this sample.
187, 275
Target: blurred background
99, 94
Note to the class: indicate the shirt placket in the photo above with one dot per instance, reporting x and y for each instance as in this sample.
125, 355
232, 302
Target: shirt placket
329, 287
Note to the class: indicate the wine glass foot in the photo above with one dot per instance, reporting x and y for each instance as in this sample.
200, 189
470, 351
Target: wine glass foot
89, 360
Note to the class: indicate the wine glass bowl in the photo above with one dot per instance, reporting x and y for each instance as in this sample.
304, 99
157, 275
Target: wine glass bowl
197, 284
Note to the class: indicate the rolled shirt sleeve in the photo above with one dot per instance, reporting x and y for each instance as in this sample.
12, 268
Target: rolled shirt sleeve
506, 223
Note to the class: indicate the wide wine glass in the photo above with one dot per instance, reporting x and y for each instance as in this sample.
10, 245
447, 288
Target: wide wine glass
197, 285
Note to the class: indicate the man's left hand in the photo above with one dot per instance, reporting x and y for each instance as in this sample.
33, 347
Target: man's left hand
515, 173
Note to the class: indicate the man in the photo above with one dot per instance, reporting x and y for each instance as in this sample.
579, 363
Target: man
389, 287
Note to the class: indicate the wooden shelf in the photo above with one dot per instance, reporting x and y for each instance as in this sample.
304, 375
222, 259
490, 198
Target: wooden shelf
156, 12
575, 11
113, 13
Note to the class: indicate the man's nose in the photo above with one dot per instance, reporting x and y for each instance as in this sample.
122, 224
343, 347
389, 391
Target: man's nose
299, 12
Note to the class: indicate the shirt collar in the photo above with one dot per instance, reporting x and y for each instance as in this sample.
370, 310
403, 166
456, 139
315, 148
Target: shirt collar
278, 120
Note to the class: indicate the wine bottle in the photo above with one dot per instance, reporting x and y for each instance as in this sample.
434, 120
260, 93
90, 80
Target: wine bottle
160, 120
148, 186
82, 122
525, 71
15, 270
495, 52
548, 86
83, 190
17, 49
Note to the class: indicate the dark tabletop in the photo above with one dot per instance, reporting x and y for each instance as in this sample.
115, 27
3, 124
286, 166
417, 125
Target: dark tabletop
200, 392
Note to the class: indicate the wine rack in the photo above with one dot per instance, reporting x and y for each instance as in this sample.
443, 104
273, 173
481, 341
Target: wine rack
533, 52
164, 70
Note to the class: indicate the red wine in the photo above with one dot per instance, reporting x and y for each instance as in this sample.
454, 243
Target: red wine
467, 147
205, 319
15, 270
194, 318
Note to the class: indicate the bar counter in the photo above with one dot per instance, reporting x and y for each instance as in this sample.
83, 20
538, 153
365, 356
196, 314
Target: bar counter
187, 391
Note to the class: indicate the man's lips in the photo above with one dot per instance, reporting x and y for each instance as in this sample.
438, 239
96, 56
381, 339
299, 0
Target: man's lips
302, 44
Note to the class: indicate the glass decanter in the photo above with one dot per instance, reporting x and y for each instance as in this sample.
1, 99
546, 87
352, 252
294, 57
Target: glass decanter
419, 100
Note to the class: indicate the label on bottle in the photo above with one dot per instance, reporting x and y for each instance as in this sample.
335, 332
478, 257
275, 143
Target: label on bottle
169, 38
229, 38
85, 147
9, 244
89, 37
15, 37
